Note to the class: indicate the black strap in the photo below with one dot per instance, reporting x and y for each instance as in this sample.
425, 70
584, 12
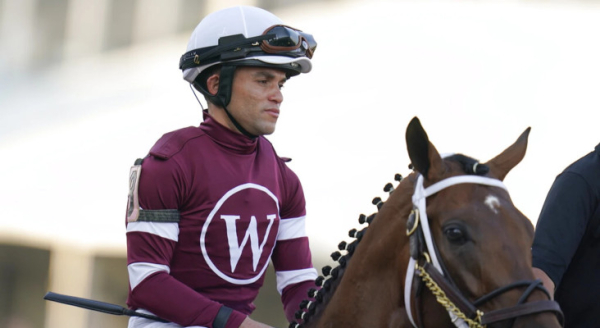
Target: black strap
169, 215
222, 317
224, 96
418, 285
225, 85
523, 310
230, 47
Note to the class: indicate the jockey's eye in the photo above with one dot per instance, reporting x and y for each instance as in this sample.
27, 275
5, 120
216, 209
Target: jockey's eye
455, 234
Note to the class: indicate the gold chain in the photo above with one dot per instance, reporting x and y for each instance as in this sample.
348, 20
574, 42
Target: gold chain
445, 302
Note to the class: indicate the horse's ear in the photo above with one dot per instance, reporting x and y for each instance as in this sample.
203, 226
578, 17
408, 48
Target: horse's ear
423, 155
510, 157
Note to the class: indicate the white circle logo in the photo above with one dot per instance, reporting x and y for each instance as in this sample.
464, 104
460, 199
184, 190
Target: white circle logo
235, 247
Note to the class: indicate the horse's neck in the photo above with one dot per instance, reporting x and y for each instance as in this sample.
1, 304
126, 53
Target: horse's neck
374, 275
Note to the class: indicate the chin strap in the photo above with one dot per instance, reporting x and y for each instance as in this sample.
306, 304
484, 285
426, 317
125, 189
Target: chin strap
238, 125
223, 96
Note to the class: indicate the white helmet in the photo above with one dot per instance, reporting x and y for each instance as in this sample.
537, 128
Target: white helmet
246, 21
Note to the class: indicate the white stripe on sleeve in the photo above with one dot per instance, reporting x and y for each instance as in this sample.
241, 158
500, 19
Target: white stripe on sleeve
139, 322
292, 228
141, 270
286, 278
168, 230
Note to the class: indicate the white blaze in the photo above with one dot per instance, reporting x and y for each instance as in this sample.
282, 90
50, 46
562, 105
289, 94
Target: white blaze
493, 203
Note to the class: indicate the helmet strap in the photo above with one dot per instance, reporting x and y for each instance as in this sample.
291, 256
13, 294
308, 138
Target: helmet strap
195, 95
223, 96
238, 125
225, 85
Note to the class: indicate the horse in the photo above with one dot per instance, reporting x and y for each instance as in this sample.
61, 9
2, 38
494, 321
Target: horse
448, 248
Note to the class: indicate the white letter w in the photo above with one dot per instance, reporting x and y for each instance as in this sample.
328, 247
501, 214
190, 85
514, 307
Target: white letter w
235, 248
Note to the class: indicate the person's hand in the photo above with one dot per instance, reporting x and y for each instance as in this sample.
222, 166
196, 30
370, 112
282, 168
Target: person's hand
249, 323
546, 281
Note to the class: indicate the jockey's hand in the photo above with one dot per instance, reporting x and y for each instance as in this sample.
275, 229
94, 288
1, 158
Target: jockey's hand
249, 323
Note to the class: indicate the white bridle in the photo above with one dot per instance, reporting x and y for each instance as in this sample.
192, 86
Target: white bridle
419, 201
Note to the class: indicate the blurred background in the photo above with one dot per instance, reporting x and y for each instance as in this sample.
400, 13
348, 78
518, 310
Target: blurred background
88, 86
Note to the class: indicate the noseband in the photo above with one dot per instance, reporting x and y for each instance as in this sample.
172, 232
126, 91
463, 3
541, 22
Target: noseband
462, 313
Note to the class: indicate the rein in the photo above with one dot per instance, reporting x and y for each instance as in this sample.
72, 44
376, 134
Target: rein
462, 313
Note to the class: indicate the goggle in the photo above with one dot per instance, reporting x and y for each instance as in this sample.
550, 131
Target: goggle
277, 39
285, 39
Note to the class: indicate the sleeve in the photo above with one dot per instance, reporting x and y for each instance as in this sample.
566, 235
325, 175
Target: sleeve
151, 240
562, 223
292, 258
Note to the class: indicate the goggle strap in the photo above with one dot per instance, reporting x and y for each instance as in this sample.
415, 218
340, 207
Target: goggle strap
193, 58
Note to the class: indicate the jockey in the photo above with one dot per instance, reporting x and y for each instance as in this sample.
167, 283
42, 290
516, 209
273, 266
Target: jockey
210, 206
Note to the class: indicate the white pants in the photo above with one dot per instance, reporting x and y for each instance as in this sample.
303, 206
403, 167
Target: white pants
139, 322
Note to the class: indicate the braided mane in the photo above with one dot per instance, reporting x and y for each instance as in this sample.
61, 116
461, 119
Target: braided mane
312, 308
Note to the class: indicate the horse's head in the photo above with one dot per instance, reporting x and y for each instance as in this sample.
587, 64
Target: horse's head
448, 246
482, 240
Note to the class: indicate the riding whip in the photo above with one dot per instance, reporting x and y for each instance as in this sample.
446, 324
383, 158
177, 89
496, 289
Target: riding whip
98, 306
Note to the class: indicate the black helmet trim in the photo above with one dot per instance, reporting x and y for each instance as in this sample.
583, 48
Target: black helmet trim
230, 48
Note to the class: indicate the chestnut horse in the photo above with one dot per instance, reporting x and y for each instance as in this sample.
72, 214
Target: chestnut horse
448, 248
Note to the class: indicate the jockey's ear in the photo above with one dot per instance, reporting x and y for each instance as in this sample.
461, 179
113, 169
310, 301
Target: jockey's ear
212, 84
510, 157
423, 155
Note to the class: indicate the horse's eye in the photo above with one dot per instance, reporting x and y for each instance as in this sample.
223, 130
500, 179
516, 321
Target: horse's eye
455, 235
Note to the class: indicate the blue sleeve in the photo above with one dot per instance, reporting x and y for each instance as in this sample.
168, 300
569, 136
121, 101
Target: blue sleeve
562, 224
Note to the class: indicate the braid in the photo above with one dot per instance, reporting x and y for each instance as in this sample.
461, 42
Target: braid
328, 282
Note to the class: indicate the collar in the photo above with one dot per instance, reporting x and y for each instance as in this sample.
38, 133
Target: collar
226, 138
